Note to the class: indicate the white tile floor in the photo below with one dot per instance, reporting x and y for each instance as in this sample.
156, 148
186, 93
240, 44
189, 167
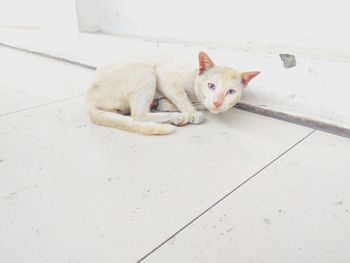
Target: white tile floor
71, 191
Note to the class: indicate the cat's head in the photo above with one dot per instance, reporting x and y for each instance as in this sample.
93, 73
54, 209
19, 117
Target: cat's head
219, 87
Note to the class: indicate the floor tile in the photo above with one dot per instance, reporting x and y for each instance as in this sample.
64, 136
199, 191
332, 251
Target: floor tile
27, 80
74, 192
296, 210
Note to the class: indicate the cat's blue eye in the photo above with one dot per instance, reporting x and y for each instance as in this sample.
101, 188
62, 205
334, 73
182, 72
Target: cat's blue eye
211, 86
230, 92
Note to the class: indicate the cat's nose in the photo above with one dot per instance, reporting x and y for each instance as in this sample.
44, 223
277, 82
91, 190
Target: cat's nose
217, 104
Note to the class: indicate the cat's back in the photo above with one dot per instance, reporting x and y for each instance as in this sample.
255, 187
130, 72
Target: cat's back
167, 68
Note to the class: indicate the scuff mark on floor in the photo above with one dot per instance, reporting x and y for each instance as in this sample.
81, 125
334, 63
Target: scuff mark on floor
13, 194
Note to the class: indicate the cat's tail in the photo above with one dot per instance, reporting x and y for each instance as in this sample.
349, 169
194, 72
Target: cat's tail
127, 123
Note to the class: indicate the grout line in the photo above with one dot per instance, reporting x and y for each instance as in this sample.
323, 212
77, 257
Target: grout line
40, 105
224, 197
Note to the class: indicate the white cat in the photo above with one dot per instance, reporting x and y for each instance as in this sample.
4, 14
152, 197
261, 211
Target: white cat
139, 88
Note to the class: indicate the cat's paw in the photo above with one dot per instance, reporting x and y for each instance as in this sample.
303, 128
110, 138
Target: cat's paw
196, 117
179, 119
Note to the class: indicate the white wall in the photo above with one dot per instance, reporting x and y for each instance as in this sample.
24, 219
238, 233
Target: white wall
21, 13
52, 24
307, 24
89, 15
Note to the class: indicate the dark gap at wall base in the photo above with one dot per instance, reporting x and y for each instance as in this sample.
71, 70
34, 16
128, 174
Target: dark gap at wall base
322, 126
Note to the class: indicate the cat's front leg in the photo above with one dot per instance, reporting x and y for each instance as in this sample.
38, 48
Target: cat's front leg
178, 97
164, 105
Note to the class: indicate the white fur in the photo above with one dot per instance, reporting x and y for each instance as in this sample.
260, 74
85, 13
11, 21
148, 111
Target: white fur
130, 87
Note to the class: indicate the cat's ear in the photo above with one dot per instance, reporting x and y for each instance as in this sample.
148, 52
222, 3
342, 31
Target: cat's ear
248, 76
204, 62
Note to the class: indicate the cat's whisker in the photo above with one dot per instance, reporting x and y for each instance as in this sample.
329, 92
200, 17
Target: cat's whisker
200, 107
198, 102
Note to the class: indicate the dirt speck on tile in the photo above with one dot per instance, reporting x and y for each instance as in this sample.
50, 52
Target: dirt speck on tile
229, 229
267, 221
110, 179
